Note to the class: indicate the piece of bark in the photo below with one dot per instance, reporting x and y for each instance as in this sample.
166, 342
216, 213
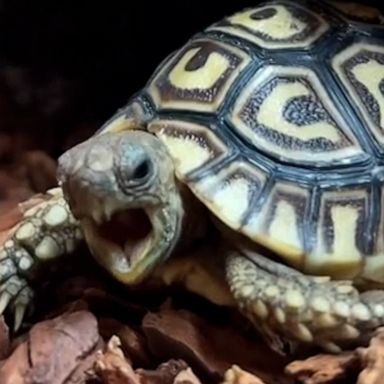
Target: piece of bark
133, 343
4, 339
236, 375
372, 360
83, 370
112, 367
53, 351
165, 373
205, 346
186, 377
325, 369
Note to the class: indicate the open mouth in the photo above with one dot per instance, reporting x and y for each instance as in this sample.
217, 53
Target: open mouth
123, 240
129, 229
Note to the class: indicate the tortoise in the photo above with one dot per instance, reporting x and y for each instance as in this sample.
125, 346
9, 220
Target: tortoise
260, 142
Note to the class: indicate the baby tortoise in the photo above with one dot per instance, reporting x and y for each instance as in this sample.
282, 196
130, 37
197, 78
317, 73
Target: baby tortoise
266, 128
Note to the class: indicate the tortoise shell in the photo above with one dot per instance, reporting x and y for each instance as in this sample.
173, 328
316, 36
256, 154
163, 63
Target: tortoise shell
274, 117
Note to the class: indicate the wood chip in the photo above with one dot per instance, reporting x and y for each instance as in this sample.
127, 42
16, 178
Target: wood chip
236, 375
372, 360
112, 367
53, 351
170, 372
133, 343
186, 377
324, 368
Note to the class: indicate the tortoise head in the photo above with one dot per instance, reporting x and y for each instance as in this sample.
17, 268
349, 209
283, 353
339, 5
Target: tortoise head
122, 188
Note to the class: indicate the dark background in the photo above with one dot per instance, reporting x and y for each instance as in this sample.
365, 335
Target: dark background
79, 61
68, 65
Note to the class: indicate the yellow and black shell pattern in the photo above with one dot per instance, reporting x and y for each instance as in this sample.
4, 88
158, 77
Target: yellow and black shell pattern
274, 117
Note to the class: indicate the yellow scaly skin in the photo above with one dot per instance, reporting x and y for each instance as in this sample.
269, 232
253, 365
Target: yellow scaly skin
46, 232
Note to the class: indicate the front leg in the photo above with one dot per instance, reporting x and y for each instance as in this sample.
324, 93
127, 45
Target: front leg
289, 307
46, 231
200, 271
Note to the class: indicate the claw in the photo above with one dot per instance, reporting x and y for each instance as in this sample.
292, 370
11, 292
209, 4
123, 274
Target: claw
24, 297
5, 298
22, 302
19, 313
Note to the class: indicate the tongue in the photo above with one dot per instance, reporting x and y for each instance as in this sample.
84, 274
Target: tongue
135, 249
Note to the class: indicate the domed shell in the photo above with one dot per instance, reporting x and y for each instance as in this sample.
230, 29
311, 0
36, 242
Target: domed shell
274, 118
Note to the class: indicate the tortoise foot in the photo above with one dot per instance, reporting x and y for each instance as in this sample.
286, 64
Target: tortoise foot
290, 308
45, 232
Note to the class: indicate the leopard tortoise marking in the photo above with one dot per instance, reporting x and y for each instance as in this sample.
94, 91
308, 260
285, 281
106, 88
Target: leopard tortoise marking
267, 126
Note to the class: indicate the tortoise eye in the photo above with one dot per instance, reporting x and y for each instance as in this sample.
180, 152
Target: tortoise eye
142, 170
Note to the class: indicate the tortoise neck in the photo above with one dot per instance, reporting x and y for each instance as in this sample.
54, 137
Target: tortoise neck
195, 218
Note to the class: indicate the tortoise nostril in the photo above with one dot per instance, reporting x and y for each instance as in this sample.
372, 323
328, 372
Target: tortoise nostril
142, 170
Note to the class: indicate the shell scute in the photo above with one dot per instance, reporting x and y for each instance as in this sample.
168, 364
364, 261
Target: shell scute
198, 78
276, 25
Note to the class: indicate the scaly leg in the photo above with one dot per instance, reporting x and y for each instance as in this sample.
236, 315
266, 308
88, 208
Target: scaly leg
46, 231
289, 307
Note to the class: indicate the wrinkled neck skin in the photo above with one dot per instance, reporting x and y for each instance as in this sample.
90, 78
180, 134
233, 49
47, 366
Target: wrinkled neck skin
195, 221
122, 188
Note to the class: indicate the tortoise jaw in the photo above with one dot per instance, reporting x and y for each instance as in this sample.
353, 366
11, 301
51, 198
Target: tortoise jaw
129, 243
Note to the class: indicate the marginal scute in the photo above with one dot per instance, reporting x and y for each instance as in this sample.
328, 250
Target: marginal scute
199, 77
275, 26
360, 68
132, 117
191, 145
287, 113
229, 192
279, 224
341, 233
